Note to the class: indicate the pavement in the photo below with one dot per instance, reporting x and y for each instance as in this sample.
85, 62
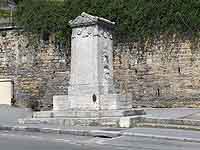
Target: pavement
9, 123
10, 115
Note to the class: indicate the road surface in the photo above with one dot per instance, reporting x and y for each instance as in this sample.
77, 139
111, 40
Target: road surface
39, 141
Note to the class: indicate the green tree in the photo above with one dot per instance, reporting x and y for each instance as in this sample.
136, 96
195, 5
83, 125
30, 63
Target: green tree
135, 19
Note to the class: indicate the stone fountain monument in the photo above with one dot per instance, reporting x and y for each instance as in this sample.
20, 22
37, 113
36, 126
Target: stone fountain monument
91, 95
92, 66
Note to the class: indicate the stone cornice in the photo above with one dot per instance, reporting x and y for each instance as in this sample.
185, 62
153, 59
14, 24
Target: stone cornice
6, 80
86, 20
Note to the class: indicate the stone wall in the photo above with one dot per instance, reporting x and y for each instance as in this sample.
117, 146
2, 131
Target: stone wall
159, 73
39, 69
154, 74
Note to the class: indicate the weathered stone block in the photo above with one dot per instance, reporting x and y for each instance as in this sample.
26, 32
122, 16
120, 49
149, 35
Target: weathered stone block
60, 102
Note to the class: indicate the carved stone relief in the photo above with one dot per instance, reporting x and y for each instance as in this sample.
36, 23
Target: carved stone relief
106, 64
85, 32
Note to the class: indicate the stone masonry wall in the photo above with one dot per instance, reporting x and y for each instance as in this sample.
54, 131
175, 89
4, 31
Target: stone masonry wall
154, 74
39, 70
159, 74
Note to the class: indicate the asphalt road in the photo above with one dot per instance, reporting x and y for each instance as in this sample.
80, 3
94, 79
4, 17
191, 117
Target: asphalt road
38, 141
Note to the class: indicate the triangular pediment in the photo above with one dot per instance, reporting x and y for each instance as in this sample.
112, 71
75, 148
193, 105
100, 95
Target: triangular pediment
86, 19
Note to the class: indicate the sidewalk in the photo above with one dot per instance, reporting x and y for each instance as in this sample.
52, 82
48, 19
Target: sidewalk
9, 115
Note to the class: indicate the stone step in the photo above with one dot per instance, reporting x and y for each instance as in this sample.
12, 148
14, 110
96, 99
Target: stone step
134, 121
185, 122
87, 114
67, 122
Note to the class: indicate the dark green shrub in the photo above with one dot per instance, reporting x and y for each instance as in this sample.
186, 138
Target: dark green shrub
136, 19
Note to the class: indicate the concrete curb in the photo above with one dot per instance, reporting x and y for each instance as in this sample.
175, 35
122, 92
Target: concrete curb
93, 133
169, 126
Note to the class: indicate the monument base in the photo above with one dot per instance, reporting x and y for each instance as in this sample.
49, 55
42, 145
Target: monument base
108, 110
71, 122
88, 113
102, 102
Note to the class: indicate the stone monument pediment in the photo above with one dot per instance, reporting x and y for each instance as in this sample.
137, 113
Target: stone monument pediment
86, 20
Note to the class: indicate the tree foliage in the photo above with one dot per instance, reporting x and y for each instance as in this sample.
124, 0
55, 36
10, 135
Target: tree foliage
4, 13
135, 19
